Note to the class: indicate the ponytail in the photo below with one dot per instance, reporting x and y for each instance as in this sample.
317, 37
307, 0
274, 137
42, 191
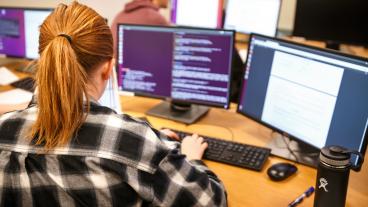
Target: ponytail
66, 59
61, 88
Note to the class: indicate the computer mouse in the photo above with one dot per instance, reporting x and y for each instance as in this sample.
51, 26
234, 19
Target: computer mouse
281, 171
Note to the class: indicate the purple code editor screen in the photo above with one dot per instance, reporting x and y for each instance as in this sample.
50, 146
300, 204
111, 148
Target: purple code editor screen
12, 34
183, 64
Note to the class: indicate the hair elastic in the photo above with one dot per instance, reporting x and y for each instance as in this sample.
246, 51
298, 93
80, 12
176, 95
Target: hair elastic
67, 37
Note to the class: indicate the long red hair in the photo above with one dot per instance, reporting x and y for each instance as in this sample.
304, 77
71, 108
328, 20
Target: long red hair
73, 41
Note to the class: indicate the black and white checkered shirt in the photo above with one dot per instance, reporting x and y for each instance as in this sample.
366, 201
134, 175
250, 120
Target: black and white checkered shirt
113, 160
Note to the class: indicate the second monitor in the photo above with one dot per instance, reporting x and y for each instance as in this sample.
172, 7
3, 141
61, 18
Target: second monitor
19, 31
182, 65
314, 95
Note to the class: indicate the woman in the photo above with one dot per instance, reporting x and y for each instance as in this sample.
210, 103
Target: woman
67, 150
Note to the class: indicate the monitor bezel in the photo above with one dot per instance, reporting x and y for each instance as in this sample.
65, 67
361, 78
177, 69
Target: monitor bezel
359, 58
249, 33
148, 95
26, 8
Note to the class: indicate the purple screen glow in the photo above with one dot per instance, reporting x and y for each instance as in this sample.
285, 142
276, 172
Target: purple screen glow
183, 64
12, 36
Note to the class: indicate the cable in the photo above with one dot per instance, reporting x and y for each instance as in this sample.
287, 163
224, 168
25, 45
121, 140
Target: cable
289, 149
295, 153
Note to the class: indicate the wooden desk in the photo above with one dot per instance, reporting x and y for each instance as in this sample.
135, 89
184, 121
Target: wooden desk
12, 64
246, 187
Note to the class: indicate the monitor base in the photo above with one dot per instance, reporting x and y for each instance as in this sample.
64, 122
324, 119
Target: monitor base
333, 45
168, 111
284, 147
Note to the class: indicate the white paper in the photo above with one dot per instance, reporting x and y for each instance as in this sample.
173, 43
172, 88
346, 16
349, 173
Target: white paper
15, 96
6, 76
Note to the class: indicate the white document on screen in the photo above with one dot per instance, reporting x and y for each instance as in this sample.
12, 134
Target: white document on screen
32, 22
301, 97
198, 13
257, 16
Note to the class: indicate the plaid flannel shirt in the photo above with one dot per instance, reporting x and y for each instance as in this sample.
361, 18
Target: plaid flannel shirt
113, 160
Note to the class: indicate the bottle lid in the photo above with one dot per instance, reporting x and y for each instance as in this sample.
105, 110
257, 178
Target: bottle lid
335, 156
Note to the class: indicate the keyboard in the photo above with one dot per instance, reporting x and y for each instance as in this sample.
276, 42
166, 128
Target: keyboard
233, 153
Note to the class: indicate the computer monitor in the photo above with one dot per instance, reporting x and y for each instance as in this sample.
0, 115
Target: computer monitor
19, 31
182, 65
195, 13
253, 16
312, 95
337, 21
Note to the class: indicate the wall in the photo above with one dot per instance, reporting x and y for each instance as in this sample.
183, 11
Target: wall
286, 21
109, 8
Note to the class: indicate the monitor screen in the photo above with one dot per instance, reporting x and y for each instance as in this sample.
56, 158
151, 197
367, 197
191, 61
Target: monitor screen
317, 96
195, 13
340, 21
19, 31
184, 64
253, 16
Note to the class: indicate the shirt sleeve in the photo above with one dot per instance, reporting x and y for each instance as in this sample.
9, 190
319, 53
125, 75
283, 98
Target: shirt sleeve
168, 142
178, 182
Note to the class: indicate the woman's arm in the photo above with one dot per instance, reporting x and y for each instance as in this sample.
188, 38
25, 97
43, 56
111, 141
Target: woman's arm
182, 179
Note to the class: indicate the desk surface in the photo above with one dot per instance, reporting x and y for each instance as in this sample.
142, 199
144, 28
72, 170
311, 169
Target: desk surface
246, 187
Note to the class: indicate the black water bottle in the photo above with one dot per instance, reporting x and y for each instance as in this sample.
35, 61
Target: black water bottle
333, 176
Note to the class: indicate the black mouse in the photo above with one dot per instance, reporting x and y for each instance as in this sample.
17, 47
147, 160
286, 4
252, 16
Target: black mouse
281, 171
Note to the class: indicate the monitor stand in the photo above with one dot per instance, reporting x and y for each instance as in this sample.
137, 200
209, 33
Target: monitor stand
333, 45
285, 147
178, 111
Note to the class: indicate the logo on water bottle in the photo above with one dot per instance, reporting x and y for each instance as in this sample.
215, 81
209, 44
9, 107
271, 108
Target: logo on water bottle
323, 183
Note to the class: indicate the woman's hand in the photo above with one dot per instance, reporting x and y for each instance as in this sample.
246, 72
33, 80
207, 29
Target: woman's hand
193, 147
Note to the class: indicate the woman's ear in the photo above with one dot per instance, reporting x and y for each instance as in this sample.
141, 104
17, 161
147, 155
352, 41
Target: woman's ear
108, 67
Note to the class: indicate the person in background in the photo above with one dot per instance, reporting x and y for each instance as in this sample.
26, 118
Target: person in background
142, 12
65, 149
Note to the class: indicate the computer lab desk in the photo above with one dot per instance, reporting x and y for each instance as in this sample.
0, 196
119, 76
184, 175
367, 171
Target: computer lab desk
246, 187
